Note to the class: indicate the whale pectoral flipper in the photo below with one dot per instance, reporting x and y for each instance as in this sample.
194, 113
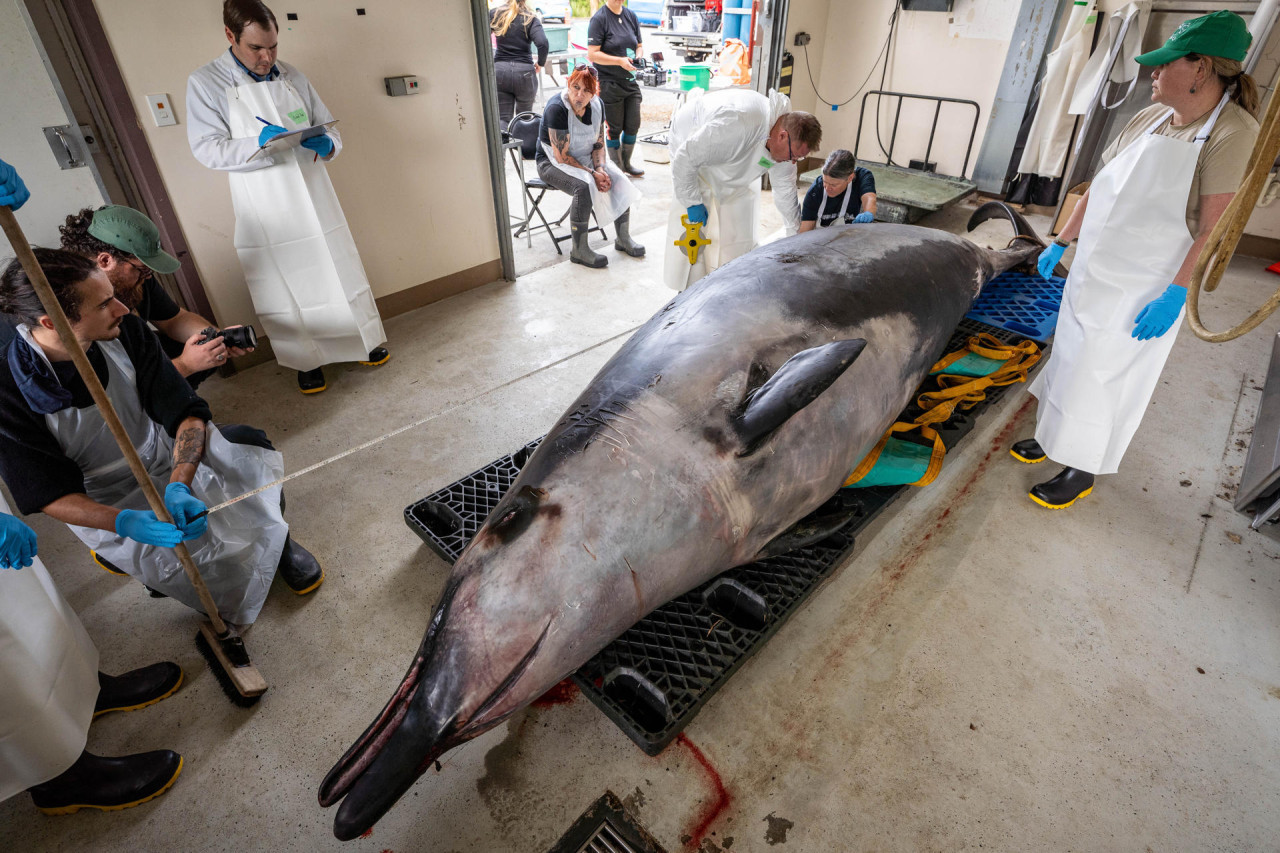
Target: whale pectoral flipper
796, 384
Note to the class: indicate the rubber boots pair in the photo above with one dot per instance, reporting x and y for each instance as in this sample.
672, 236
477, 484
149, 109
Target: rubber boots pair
1060, 491
621, 158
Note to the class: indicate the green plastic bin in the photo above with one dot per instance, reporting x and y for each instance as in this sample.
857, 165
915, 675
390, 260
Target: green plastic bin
557, 37
695, 76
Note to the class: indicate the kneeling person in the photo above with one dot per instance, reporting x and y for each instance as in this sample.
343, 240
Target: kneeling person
57, 456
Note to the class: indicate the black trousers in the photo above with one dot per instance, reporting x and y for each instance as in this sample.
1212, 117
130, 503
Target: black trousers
580, 211
621, 100
517, 86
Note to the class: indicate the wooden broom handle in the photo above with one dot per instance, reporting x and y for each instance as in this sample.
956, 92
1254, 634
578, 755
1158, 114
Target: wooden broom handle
51, 307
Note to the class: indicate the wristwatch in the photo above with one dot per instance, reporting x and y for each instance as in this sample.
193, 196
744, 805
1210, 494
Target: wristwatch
1060, 242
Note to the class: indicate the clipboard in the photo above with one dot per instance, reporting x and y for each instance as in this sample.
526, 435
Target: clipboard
290, 139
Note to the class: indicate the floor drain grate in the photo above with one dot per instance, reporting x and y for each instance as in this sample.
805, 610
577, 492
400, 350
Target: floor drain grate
653, 679
606, 827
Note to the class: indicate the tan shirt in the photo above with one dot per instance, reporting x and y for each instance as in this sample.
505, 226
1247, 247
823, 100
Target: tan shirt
1223, 157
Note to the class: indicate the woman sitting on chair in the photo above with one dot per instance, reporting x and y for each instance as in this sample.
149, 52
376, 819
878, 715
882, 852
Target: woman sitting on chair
572, 158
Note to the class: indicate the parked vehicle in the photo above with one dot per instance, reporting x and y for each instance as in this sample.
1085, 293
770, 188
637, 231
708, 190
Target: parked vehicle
648, 12
692, 28
552, 11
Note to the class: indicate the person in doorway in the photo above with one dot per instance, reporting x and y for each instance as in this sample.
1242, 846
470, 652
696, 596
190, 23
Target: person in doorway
841, 181
1165, 182
613, 39
721, 144
126, 246
300, 261
52, 686
57, 457
571, 158
516, 31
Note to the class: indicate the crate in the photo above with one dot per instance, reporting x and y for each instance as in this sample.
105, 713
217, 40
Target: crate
652, 680
1023, 303
557, 37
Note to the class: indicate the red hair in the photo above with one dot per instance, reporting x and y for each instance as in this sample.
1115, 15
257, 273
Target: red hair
584, 76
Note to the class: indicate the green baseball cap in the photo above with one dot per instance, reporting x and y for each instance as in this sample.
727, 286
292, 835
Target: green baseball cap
132, 232
1220, 34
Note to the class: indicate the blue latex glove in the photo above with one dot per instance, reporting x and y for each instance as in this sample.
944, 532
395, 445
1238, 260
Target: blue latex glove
1160, 314
143, 526
697, 213
184, 506
865, 217
322, 145
13, 192
17, 543
268, 132
1049, 259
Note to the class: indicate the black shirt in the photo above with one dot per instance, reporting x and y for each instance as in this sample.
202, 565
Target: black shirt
31, 460
156, 307
863, 182
556, 117
514, 46
614, 35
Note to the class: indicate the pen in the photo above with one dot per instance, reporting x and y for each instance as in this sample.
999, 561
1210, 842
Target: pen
263, 120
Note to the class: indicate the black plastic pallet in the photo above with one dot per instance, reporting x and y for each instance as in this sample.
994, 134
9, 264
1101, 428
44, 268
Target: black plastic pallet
654, 678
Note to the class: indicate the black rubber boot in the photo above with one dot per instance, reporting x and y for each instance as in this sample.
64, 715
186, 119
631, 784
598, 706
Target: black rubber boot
628, 148
377, 356
581, 253
108, 784
311, 381
615, 154
299, 569
1028, 450
624, 243
137, 688
1062, 491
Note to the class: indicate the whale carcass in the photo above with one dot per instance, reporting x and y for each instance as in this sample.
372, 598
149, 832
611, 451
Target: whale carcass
735, 411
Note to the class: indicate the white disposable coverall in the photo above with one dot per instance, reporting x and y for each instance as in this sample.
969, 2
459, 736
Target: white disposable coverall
300, 261
718, 156
49, 670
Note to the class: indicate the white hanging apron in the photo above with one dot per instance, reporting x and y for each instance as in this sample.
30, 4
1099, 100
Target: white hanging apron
732, 193
844, 205
238, 555
1099, 379
1123, 69
49, 672
582, 140
1045, 151
300, 262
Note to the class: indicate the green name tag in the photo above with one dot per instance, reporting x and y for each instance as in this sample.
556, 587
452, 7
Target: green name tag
766, 162
298, 116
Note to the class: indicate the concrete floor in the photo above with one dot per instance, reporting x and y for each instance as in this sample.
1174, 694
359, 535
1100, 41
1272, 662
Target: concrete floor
983, 674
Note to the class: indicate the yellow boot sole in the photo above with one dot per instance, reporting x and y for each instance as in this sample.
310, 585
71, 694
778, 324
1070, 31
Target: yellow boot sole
72, 809
1048, 505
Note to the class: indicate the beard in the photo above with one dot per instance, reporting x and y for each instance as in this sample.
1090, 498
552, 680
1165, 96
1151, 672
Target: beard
130, 295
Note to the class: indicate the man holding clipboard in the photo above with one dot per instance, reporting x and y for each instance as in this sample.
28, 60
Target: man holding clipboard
300, 262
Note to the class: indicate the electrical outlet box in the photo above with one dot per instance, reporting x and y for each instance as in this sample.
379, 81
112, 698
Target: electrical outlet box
161, 110
406, 85
803, 39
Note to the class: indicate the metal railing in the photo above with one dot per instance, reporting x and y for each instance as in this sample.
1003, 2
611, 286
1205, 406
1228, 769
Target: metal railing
933, 129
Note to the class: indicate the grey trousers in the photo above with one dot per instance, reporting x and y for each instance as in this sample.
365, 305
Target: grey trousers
517, 87
580, 211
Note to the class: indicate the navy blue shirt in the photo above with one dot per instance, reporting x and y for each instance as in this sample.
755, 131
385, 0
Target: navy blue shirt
862, 183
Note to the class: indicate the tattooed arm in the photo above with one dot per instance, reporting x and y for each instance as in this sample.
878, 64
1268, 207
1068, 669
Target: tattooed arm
188, 450
560, 148
597, 151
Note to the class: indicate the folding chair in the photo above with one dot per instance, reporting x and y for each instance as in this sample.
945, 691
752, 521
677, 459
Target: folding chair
524, 127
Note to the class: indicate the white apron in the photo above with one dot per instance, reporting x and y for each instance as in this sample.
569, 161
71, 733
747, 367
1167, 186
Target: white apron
1099, 379
1123, 69
844, 205
1045, 151
582, 140
732, 196
300, 262
238, 555
49, 673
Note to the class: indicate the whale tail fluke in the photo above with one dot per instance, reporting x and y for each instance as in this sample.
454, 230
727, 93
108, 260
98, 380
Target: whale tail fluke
1026, 244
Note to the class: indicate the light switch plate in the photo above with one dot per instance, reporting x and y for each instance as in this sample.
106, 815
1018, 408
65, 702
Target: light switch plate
161, 110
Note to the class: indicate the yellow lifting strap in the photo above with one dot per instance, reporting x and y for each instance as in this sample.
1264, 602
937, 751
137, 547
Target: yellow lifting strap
955, 392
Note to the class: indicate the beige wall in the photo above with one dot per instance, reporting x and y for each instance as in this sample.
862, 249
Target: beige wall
808, 16
927, 59
413, 175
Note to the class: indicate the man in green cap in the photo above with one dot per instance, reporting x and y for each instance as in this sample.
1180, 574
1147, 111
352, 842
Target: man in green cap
1164, 183
126, 246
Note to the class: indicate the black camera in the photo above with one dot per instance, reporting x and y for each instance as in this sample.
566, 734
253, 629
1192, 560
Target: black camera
243, 337
650, 72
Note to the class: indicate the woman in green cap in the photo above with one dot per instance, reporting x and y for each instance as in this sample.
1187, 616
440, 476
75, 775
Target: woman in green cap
1165, 182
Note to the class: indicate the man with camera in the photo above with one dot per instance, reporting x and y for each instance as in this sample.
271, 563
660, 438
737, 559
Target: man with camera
125, 244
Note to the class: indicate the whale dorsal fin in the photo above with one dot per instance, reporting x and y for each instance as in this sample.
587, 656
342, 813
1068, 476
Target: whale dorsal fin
796, 384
